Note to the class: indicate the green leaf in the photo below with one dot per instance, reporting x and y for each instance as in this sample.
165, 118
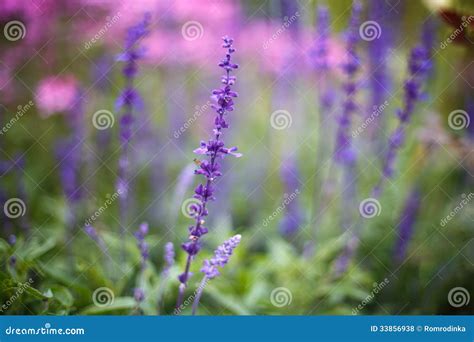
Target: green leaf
63, 296
228, 301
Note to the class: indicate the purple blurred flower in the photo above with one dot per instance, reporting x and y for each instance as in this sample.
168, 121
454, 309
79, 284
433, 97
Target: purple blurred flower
169, 258
140, 235
291, 222
418, 65
127, 102
211, 266
344, 152
92, 233
214, 149
406, 223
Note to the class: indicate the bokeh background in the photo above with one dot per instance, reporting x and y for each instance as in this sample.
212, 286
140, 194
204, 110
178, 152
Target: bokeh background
296, 210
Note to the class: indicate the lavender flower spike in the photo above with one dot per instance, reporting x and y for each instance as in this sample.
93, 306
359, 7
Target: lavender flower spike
140, 234
127, 102
169, 258
418, 66
211, 266
344, 152
406, 224
210, 168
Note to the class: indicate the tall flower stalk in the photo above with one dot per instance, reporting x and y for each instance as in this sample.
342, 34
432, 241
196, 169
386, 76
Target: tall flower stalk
209, 167
418, 66
211, 266
406, 223
127, 103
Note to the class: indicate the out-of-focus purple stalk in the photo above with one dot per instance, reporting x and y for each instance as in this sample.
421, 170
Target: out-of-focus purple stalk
293, 218
418, 65
211, 267
406, 224
140, 236
127, 102
210, 168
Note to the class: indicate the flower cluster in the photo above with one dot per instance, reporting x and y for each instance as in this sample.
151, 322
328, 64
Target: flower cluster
213, 150
344, 152
140, 235
418, 66
220, 258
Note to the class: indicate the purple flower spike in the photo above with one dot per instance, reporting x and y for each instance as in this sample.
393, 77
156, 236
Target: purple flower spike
220, 258
213, 149
211, 266
140, 235
127, 103
169, 257
344, 152
406, 224
418, 66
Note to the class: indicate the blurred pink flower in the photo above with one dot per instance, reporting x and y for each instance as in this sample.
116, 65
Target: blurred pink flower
56, 94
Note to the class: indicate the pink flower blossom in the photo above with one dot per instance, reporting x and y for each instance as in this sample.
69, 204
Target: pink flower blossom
56, 94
